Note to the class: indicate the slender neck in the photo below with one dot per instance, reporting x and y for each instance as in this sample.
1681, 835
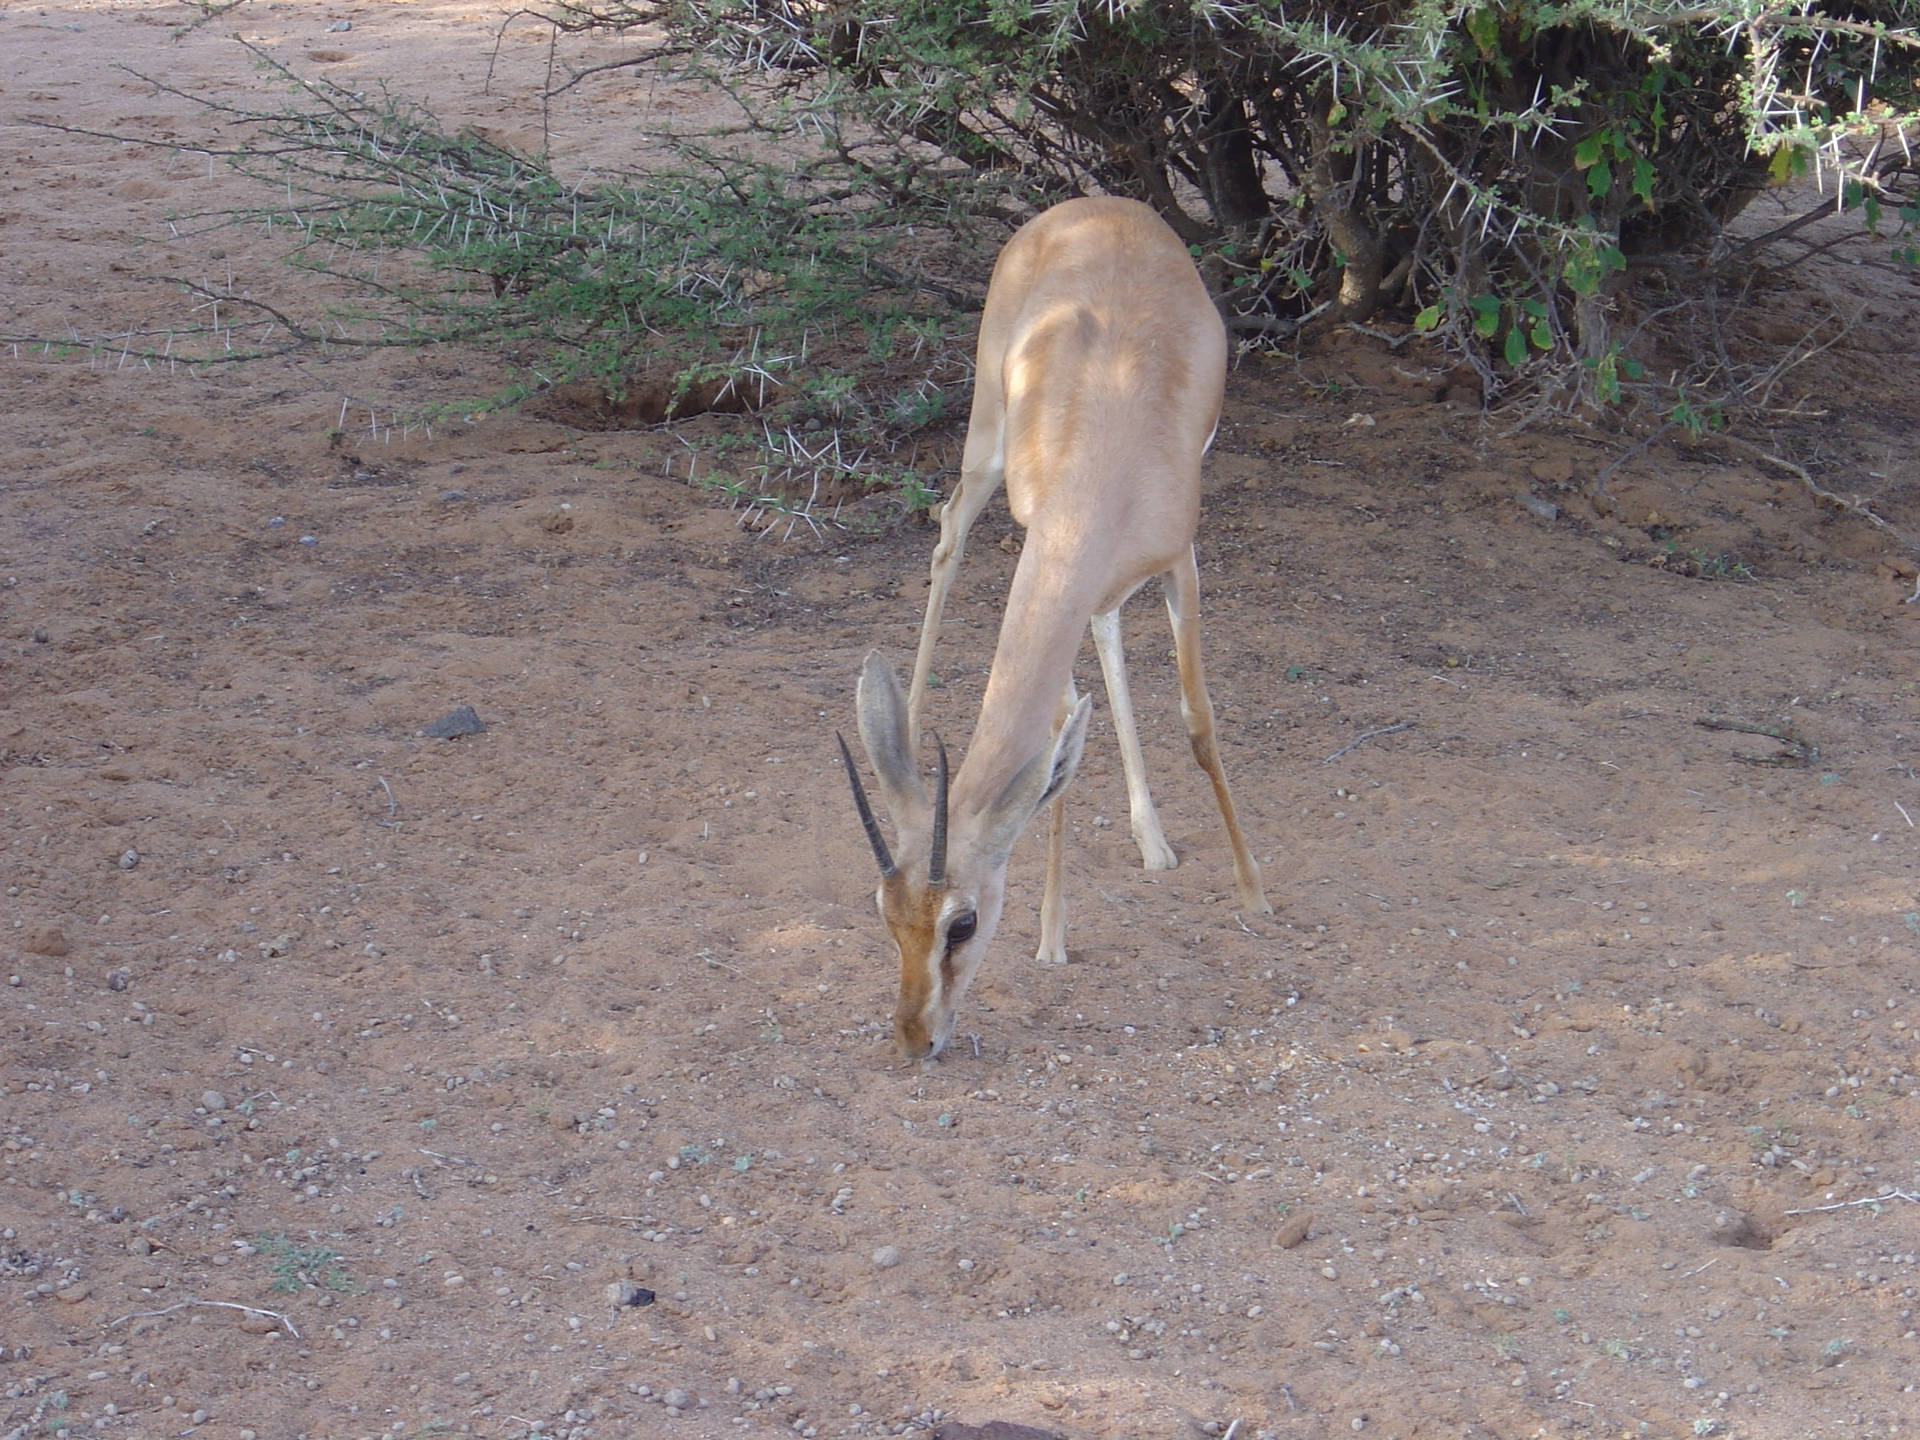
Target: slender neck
1048, 607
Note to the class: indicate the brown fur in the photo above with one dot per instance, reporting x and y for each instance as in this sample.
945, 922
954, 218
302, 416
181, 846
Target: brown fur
1098, 384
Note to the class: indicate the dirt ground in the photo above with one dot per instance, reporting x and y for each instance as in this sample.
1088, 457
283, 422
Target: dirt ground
1571, 1091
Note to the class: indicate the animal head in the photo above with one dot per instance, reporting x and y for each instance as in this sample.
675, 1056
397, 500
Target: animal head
941, 896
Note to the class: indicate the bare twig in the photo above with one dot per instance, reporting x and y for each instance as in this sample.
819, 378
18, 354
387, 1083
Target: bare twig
1599, 482
1854, 506
1800, 750
1370, 735
215, 1304
1849, 1204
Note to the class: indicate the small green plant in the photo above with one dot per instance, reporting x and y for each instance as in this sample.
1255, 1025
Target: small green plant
303, 1267
1703, 564
1525, 321
1616, 1349
1507, 1347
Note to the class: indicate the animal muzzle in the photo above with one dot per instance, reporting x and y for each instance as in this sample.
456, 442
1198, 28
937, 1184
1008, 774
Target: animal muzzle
919, 1035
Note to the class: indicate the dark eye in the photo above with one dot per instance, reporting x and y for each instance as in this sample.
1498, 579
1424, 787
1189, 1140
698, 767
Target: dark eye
962, 928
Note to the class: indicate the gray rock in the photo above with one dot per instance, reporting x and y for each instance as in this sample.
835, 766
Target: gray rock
456, 723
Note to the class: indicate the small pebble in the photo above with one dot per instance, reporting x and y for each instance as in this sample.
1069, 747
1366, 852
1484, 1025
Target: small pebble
129, 859
1534, 505
1292, 1230
455, 723
887, 1256
677, 1399
213, 1100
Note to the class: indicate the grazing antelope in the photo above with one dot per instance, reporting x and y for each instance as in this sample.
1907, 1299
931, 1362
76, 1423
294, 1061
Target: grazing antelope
1097, 390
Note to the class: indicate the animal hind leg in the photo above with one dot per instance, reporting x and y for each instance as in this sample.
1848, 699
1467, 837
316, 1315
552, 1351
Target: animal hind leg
1196, 708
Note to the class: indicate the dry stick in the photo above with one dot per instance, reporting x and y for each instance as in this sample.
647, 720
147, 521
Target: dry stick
1848, 1204
217, 1304
1370, 735
1854, 506
1599, 482
1801, 750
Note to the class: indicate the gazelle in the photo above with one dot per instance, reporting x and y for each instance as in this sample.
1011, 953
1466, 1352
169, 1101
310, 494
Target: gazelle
1097, 390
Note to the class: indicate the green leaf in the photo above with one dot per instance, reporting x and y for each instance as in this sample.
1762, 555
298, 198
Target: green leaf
1542, 336
1536, 308
1486, 315
1516, 349
1599, 179
1606, 378
1643, 179
1484, 26
1427, 319
1587, 152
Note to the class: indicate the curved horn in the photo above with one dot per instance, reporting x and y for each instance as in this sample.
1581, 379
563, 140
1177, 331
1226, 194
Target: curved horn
874, 837
937, 865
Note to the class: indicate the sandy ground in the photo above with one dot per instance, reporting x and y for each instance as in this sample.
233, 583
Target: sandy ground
1570, 1092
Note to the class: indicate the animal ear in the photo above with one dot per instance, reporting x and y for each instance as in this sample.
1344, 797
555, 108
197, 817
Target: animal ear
1039, 780
883, 730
